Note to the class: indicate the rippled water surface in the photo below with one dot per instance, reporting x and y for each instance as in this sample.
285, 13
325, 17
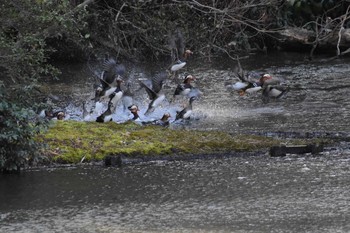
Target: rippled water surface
241, 194
228, 194
318, 98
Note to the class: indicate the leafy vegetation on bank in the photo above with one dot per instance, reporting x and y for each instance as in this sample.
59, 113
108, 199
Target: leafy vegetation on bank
71, 141
26, 29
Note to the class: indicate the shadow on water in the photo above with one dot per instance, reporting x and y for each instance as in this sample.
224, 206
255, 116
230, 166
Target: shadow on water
236, 194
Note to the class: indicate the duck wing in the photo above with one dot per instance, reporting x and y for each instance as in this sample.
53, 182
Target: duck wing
271, 91
108, 72
111, 70
246, 77
106, 115
113, 67
240, 72
195, 92
185, 112
85, 111
180, 44
180, 87
120, 69
129, 82
177, 45
180, 114
158, 81
126, 88
128, 95
271, 82
151, 94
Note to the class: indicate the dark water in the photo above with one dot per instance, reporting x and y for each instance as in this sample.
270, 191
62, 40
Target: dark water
238, 194
318, 99
241, 194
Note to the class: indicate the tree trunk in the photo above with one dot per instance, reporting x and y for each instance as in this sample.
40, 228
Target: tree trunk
296, 37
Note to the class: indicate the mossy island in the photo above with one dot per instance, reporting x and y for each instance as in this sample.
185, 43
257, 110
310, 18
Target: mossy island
74, 142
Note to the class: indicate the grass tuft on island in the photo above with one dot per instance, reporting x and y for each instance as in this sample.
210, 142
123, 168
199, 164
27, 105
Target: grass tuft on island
71, 141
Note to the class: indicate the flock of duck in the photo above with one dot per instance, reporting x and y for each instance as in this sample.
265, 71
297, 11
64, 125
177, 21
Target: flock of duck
114, 88
269, 86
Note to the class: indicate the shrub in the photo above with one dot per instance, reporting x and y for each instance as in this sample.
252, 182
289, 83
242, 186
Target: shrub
26, 27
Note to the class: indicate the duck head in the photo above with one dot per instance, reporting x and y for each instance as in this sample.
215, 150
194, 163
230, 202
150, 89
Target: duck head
241, 92
187, 53
119, 78
264, 78
60, 115
189, 78
165, 117
98, 93
117, 81
134, 109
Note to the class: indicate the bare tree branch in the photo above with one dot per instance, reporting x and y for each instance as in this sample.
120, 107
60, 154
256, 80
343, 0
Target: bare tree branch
341, 30
85, 3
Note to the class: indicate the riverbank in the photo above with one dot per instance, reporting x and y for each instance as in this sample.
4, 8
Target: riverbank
73, 142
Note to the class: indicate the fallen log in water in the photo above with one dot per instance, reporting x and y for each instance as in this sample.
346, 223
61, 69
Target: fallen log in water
276, 151
327, 40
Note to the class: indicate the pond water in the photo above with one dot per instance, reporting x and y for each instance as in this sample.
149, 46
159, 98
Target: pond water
240, 194
227, 194
318, 98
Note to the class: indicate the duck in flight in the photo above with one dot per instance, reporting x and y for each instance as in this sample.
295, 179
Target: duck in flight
111, 74
112, 104
185, 87
186, 112
154, 91
106, 116
179, 54
249, 82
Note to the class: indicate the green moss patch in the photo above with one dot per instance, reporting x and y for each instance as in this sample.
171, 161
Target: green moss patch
71, 141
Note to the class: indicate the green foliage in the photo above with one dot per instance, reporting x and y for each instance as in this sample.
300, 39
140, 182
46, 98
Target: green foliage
26, 27
17, 132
